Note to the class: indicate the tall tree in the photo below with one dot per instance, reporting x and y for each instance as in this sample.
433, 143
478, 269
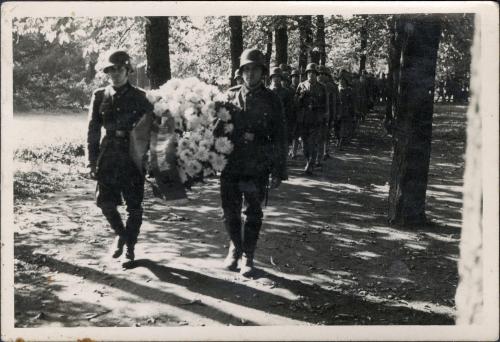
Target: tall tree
305, 36
269, 47
363, 34
235, 43
157, 51
281, 40
320, 56
413, 121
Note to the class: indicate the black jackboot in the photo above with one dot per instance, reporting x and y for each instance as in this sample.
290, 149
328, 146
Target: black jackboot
116, 223
235, 249
247, 267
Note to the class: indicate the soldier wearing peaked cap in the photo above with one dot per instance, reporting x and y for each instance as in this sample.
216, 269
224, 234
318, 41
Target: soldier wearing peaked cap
312, 105
117, 108
259, 138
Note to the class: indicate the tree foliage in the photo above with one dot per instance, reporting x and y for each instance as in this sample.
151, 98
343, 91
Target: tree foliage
57, 61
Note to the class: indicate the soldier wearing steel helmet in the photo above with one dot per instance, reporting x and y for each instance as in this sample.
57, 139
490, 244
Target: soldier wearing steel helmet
332, 96
292, 127
237, 77
285, 95
117, 108
259, 138
312, 105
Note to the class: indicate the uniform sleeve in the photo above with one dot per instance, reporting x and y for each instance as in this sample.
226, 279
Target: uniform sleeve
279, 140
94, 128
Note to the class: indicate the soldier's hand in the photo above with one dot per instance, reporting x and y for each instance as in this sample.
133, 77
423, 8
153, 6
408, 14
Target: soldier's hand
92, 173
275, 182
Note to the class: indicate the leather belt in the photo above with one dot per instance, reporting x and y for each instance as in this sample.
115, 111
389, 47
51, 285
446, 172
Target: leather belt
118, 133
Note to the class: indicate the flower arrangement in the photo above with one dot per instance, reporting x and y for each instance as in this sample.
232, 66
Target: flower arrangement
201, 118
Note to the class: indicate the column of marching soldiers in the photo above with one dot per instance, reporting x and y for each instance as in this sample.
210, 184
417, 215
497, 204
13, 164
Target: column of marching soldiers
323, 108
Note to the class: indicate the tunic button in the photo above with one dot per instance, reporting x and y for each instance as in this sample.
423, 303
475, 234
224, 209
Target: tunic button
117, 109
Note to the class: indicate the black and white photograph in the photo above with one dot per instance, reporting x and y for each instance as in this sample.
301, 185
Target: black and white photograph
249, 171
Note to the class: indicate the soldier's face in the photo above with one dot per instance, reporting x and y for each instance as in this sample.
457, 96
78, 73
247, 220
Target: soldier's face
312, 76
252, 74
118, 75
276, 79
295, 79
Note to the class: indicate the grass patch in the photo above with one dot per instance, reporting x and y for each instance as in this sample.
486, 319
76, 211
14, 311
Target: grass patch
47, 168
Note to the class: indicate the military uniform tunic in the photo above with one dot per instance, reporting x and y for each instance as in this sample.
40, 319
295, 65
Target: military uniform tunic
311, 101
259, 150
117, 111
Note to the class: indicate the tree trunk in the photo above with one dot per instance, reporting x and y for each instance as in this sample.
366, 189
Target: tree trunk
305, 36
269, 48
413, 124
320, 54
469, 296
91, 72
396, 31
235, 44
281, 41
157, 51
364, 40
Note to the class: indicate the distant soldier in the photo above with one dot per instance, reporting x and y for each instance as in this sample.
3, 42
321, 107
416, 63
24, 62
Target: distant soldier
238, 78
294, 129
346, 111
259, 150
326, 79
285, 67
295, 75
285, 80
285, 95
312, 105
117, 108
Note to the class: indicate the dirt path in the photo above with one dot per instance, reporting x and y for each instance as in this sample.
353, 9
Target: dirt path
326, 254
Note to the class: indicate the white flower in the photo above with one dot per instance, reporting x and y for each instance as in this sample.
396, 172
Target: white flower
186, 155
228, 128
193, 122
219, 162
224, 114
196, 136
183, 144
174, 108
182, 174
223, 145
202, 154
209, 108
193, 167
160, 107
153, 96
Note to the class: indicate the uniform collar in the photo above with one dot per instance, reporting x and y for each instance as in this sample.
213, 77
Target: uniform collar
246, 91
112, 91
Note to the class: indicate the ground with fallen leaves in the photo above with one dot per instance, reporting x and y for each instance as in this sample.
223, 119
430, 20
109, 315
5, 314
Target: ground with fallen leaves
326, 254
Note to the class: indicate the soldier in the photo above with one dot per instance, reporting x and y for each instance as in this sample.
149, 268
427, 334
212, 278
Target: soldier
238, 78
332, 95
346, 111
295, 79
285, 80
117, 108
286, 98
259, 150
311, 100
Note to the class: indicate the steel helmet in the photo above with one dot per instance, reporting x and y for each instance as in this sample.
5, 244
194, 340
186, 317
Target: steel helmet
312, 67
295, 72
250, 56
276, 72
118, 58
321, 69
